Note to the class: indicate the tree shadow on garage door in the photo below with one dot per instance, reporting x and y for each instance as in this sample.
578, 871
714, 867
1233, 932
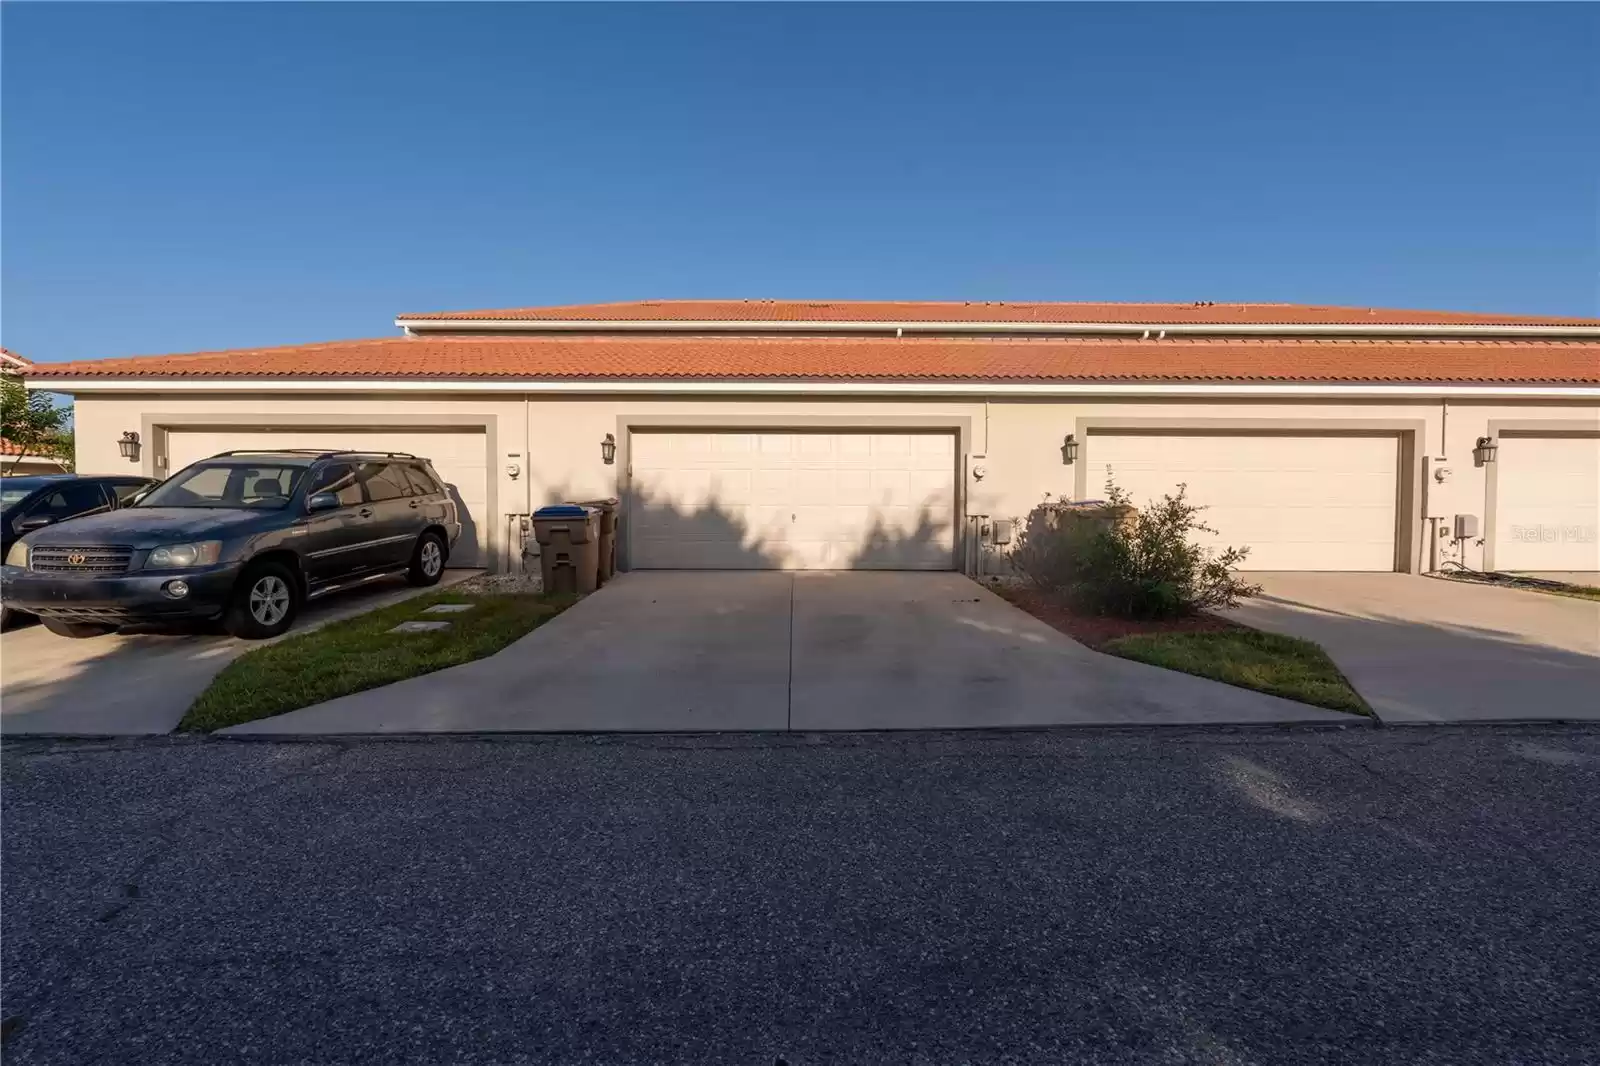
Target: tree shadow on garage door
663, 534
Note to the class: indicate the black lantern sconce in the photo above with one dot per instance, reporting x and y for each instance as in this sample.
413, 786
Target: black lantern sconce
608, 449
129, 446
1484, 451
1069, 450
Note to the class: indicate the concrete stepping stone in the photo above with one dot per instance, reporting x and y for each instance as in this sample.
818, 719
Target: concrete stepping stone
447, 608
419, 627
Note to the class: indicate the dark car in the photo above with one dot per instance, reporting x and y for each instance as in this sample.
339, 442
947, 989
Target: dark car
242, 537
29, 503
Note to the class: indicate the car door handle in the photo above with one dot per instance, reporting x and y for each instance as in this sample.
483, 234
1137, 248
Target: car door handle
365, 512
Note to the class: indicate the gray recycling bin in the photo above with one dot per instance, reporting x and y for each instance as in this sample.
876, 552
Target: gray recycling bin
569, 547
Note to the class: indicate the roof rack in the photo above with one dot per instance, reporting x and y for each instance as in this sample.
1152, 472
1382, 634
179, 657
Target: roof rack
319, 453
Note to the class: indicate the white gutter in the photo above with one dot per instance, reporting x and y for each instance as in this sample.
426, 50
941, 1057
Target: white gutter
421, 326
814, 388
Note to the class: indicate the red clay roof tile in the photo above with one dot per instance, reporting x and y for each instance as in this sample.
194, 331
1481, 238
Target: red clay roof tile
927, 359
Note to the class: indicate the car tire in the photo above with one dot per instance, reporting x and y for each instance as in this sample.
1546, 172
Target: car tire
77, 630
427, 560
264, 604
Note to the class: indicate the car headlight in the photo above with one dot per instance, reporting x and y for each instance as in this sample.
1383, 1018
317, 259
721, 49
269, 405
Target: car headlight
182, 556
18, 555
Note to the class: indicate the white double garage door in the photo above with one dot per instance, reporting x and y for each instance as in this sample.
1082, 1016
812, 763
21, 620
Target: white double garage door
459, 457
760, 500
876, 500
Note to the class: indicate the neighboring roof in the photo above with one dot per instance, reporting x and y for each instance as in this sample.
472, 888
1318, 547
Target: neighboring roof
10, 360
12, 448
915, 359
1199, 313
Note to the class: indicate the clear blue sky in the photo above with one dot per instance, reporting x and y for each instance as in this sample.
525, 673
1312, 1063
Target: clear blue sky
186, 176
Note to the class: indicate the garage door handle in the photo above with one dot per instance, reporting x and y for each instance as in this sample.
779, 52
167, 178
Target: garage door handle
365, 512
413, 505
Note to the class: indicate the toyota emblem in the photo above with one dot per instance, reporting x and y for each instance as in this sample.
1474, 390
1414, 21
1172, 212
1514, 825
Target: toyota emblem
77, 558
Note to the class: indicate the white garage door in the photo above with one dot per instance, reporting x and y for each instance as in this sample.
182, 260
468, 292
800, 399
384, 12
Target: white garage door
458, 456
792, 501
1547, 503
1298, 502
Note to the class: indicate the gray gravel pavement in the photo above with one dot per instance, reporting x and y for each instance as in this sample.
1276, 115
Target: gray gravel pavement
1274, 897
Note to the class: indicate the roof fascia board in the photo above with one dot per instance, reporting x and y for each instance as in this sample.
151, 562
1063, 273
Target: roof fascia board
1219, 390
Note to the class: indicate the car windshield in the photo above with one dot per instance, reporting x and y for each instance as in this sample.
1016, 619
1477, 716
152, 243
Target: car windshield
13, 489
262, 485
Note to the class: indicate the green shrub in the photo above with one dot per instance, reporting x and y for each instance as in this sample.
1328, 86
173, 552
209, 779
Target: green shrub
1132, 564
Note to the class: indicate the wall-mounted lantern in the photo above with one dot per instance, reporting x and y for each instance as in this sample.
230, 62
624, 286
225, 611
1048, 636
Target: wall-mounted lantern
129, 446
1069, 450
1484, 451
608, 449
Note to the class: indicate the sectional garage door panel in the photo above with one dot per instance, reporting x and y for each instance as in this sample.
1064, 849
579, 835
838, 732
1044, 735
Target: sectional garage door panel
458, 455
792, 501
1547, 503
1299, 502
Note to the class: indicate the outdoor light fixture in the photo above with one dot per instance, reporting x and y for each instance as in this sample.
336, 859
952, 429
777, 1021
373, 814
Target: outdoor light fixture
1484, 451
608, 449
129, 446
1069, 450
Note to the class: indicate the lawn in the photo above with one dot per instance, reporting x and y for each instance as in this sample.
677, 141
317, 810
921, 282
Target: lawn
360, 653
1206, 645
1267, 662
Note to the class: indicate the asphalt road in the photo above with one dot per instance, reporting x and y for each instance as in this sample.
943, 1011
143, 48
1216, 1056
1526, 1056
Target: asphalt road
1362, 896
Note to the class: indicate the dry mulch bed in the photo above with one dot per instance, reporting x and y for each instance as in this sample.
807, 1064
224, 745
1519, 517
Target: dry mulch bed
1098, 630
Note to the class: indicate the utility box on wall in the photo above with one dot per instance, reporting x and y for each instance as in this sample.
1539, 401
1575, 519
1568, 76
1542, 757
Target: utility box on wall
1466, 526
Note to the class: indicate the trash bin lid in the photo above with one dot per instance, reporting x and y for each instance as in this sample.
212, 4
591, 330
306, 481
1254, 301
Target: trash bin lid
563, 510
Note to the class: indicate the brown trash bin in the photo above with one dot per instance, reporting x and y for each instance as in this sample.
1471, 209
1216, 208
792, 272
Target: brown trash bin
608, 534
569, 547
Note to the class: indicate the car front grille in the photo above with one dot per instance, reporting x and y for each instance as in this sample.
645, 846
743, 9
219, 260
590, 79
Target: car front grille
81, 559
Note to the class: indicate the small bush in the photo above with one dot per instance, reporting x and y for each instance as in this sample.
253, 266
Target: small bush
1131, 564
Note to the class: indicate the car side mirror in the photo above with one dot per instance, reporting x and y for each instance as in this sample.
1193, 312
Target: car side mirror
29, 523
136, 497
322, 501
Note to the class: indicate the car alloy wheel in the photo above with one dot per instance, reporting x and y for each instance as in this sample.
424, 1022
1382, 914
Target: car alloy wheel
269, 600
432, 558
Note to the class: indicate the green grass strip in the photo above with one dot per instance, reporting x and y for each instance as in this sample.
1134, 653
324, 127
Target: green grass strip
360, 653
1267, 662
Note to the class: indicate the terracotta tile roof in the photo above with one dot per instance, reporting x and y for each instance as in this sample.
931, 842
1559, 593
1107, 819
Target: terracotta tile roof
1201, 313
10, 360
725, 357
8, 447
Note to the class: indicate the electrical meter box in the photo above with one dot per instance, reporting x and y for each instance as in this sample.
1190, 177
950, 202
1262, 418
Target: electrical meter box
1466, 526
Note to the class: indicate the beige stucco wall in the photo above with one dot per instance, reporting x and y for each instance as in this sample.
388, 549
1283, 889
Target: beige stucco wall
556, 440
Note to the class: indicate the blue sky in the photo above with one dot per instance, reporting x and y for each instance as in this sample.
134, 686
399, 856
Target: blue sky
187, 176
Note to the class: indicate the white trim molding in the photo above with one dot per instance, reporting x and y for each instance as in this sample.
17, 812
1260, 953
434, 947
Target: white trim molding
675, 387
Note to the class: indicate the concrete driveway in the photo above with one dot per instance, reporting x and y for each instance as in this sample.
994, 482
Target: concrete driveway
1432, 650
663, 651
139, 681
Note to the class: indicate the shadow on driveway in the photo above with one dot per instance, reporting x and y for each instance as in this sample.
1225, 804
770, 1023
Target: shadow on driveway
1428, 650
142, 679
